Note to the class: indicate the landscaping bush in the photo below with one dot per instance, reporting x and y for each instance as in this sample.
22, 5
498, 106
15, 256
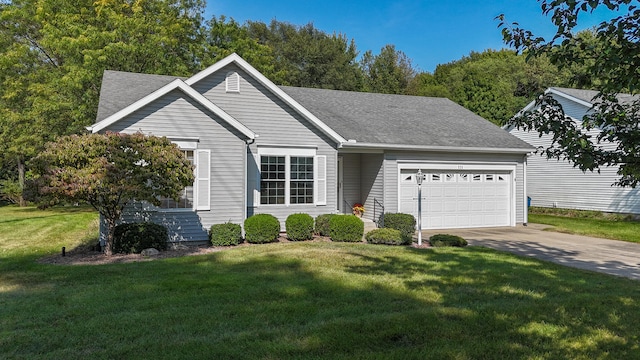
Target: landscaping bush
135, 237
386, 236
261, 228
405, 223
225, 234
299, 227
322, 224
440, 240
346, 228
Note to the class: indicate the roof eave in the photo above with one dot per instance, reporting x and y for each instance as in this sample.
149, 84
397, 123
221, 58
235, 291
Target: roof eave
378, 146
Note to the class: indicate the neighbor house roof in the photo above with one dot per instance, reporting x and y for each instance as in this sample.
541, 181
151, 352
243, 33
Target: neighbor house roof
397, 121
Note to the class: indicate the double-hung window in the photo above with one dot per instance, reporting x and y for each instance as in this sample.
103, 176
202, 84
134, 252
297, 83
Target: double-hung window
185, 201
291, 176
196, 196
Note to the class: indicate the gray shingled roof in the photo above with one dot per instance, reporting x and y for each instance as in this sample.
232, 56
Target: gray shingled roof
401, 119
588, 95
365, 117
120, 89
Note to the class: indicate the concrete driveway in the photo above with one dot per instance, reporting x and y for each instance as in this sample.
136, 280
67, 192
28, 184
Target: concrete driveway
607, 256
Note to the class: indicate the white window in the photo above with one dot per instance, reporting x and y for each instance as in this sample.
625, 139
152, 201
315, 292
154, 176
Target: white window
293, 176
185, 201
196, 196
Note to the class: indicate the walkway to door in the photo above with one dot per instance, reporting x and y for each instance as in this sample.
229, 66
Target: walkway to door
607, 256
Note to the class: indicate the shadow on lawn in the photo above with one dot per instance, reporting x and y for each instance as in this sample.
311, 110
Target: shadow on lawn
358, 302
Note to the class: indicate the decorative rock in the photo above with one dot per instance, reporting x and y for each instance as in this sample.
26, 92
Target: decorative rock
150, 252
179, 246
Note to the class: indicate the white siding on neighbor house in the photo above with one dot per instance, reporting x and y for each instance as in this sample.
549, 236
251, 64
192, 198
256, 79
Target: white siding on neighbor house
392, 159
276, 124
557, 183
177, 116
372, 184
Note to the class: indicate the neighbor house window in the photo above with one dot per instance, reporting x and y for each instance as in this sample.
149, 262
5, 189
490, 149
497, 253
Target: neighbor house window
185, 201
291, 176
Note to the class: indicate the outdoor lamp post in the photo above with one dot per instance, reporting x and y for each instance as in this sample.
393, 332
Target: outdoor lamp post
419, 178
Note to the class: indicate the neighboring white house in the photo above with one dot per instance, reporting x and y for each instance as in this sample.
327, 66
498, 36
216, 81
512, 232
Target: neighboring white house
262, 148
553, 183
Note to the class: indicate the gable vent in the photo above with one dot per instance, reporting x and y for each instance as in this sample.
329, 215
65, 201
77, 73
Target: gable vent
233, 82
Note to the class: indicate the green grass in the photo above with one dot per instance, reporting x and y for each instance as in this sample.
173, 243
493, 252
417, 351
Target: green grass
305, 300
589, 223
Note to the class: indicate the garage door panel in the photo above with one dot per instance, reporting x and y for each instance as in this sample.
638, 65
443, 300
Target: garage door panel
459, 198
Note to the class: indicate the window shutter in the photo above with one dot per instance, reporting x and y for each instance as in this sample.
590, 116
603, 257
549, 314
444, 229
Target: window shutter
203, 180
232, 82
320, 176
253, 180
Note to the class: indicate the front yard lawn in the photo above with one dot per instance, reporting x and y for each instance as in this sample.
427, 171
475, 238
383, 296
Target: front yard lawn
589, 223
305, 300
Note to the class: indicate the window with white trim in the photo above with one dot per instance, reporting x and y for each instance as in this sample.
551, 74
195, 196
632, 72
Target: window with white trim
279, 173
291, 177
185, 201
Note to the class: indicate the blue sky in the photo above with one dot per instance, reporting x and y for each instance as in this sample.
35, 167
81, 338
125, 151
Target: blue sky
430, 32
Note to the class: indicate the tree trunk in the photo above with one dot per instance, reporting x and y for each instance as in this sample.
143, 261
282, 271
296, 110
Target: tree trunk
111, 227
21, 201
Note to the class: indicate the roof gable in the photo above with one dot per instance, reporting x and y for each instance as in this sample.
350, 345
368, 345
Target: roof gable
176, 84
242, 64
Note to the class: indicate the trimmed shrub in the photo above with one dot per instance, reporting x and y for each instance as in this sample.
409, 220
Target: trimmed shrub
406, 223
347, 228
322, 224
386, 236
299, 227
225, 234
135, 237
261, 228
440, 240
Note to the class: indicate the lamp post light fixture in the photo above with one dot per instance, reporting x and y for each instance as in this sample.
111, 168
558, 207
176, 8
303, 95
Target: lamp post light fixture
419, 179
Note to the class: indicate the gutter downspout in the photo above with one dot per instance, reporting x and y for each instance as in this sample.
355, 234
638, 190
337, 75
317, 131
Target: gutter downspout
246, 178
525, 218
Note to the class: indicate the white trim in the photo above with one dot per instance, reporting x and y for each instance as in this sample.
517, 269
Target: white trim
320, 179
286, 151
525, 218
245, 66
174, 85
185, 145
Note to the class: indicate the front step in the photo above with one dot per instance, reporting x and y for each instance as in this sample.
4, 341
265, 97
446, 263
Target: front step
368, 225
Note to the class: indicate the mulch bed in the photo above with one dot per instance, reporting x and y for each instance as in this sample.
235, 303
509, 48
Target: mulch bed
84, 255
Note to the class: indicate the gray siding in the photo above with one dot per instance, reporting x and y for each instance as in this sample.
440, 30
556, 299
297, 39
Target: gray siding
177, 116
553, 183
276, 124
351, 182
372, 184
393, 158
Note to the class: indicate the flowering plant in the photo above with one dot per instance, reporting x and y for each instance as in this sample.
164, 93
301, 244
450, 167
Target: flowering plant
358, 208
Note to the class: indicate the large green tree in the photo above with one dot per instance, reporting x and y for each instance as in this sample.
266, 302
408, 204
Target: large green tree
307, 57
611, 57
53, 54
388, 72
493, 84
109, 171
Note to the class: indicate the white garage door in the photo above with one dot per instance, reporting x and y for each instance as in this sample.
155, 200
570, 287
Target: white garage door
458, 199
